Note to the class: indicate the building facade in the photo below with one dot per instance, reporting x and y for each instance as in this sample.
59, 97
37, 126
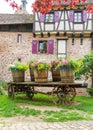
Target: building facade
15, 39
61, 33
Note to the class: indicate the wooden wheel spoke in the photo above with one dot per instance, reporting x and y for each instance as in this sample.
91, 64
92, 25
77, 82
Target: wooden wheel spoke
70, 95
30, 92
66, 94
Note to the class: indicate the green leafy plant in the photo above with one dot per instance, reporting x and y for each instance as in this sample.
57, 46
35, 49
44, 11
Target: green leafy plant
32, 61
18, 66
3, 87
87, 65
54, 63
90, 91
68, 63
40, 65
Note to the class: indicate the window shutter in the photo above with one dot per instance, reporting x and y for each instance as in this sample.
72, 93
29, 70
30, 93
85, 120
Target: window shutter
56, 16
34, 46
50, 46
71, 16
42, 17
84, 15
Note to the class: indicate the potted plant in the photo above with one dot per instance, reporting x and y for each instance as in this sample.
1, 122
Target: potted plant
67, 68
55, 70
31, 69
40, 71
18, 71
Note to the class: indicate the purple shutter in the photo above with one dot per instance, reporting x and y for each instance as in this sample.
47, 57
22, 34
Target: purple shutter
50, 46
42, 17
56, 16
84, 15
34, 46
71, 16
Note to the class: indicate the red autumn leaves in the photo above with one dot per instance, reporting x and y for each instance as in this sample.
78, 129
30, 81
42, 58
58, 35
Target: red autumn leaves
13, 4
44, 6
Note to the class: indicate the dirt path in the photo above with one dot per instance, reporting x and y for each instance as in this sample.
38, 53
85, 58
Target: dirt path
41, 108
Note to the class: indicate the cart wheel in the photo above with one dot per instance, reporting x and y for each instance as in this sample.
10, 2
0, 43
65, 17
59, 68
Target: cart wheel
11, 91
70, 94
30, 92
66, 94
61, 95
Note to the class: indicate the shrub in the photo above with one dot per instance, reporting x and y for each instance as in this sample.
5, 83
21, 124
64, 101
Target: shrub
90, 91
3, 86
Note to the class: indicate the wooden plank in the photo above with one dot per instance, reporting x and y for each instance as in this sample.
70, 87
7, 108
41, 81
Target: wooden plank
50, 84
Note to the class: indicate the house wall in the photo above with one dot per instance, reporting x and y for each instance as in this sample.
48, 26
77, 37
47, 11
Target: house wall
10, 50
77, 50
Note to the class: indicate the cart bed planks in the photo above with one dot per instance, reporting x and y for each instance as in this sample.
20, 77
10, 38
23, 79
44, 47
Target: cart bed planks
61, 92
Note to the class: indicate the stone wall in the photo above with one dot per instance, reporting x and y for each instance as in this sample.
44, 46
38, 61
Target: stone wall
10, 50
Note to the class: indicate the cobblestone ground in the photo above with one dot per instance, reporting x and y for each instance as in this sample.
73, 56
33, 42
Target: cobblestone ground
73, 125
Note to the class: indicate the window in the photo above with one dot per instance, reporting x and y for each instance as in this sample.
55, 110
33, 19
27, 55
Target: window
61, 49
78, 18
42, 47
19, 38
49, 17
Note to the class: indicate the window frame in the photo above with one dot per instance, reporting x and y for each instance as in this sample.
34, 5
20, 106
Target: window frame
65, 53
44, 51
19, 38
77, 12
49, 14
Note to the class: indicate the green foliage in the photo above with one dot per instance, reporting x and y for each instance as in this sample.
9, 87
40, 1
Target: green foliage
32, 60
2, 92
40, 65
3, 83
81, 111
68, 64
3, 86
74, 63
8, 108
90, 91
61, 116
87, 65
18, 66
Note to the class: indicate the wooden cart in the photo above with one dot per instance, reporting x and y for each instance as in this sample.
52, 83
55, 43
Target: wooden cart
64, 92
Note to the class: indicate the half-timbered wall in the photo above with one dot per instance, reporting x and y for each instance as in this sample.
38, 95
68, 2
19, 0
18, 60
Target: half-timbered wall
64, 23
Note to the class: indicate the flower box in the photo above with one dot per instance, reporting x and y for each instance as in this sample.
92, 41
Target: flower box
40, 71
67, 68
56, 74
41, 75
18, 75
18, 71
31, 74
67, 75
55, 71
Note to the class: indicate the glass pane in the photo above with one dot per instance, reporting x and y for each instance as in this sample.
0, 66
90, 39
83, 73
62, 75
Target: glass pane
49, 17
42, 48
61, 46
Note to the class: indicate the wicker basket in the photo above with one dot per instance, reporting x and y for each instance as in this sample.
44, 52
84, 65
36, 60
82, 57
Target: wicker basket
67, 75
18, 75
56, 75
41, 75
31, 74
